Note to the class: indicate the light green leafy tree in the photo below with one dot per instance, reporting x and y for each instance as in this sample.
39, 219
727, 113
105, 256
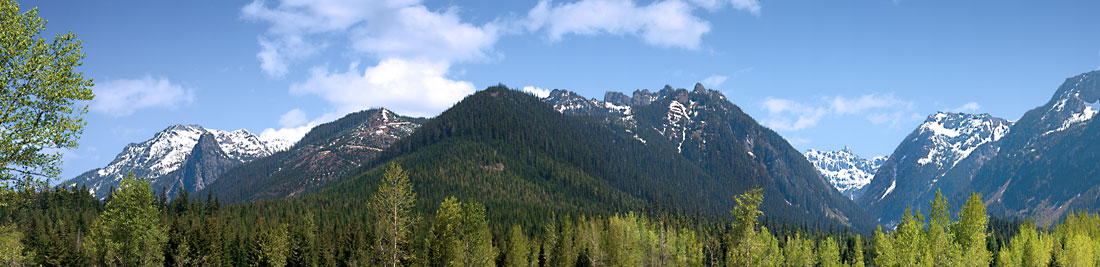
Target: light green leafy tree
908, 240
939, 242
744, 247
392, 207
970, 233
885, 254
799, 251
129, 232
11, 246
40, 99
828, 253
769, 255
1030, 247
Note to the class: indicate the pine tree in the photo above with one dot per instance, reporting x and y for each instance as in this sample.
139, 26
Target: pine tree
518, 250
564, 254
129, 232
460, 236
857, 253
392, 206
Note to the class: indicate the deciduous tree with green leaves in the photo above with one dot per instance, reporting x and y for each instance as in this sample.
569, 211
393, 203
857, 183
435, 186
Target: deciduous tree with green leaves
40, 94
129, 232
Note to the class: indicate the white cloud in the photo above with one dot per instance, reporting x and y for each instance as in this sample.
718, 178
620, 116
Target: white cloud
537, 91
714, 81
292, 118
416, 88
845, 106
789, 115
752, 6
292, 134
667, 23
385, 29
123, 97
968, 107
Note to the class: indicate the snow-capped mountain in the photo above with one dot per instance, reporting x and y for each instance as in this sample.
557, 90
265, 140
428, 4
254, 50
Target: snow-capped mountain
941, 154
953, 136
1048, 165
168, 150
845, 170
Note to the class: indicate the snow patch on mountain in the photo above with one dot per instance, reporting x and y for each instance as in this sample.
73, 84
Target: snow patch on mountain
953, 136
845, 170
893, 184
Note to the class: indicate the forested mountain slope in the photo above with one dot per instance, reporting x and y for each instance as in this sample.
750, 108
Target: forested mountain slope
325, 154
509, 150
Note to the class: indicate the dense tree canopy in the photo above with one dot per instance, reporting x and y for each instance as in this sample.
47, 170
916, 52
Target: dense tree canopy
40, 94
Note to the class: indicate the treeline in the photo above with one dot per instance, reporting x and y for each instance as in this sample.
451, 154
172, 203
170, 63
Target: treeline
67, 227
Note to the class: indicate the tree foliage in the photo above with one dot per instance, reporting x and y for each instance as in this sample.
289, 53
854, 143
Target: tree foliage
392, 206
129, 232
40, 90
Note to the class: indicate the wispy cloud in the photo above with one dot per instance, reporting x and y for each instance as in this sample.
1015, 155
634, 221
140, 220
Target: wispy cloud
714, 80
968, 107
123, 97
751, 6
790, 115
668, 23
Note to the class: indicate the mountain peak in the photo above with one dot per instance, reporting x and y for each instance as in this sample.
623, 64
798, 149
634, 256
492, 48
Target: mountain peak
847, 172
950, 136
699, 88
167, 151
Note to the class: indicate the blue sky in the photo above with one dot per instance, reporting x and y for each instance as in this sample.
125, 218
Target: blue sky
825, 74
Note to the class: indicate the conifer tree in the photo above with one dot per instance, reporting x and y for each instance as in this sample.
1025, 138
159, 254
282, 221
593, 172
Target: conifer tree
518, 250
392, 206
857, 253
460, 236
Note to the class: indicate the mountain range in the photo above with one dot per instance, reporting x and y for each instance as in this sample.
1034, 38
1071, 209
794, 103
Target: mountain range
674, 151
